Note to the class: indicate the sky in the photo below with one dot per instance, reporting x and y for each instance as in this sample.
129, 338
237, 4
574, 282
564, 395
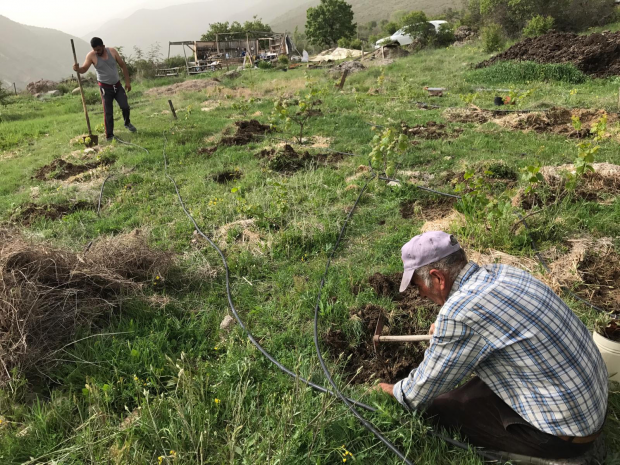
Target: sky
76, 17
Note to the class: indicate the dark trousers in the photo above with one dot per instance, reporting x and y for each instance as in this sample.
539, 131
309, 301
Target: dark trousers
108, 95
487, 421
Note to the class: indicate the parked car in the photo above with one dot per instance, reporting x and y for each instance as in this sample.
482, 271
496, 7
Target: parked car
400, 37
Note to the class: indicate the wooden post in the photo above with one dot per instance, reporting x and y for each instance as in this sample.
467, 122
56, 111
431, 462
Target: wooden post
174, 113
15, 88
382, 53
217, 42
186, 62
344, 78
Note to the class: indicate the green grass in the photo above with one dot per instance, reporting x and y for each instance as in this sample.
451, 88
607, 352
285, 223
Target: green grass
172, 362
526, 72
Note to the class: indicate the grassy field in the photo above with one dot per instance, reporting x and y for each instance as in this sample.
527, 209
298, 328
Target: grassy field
158, 381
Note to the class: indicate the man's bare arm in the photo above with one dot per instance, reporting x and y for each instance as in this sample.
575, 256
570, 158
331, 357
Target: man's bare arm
123, 65
87, 62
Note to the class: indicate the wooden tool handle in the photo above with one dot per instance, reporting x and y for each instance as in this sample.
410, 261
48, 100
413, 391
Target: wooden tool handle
417, 338
81, 90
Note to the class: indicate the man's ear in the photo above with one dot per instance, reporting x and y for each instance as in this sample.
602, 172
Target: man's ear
438, 276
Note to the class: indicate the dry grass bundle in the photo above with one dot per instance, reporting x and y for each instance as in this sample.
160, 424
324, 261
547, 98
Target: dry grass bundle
46, 294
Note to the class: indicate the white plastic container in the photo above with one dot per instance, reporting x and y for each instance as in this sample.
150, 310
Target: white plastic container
610, 351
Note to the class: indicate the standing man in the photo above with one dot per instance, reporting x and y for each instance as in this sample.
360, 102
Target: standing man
105, 61
540, 388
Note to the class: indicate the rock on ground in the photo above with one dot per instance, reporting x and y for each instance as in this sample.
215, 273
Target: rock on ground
42, 85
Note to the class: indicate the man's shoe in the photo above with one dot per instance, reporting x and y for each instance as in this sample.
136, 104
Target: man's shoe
110, 139
130, 127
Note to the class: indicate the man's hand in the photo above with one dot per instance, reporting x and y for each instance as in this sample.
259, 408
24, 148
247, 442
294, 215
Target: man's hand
128, 86
432, 330
385, 387
76, 67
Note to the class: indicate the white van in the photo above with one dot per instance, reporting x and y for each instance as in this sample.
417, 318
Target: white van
401, 38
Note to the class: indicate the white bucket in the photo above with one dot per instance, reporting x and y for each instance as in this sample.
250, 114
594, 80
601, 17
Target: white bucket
610, 351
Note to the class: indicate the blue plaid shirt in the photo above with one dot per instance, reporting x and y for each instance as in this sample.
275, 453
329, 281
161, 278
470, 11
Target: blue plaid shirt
519, 337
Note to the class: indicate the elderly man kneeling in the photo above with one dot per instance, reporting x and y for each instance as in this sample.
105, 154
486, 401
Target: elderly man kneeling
541, 384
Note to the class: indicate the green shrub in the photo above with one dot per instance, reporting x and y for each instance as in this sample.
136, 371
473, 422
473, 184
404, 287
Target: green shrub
63, 88
355, 44
283, 60
538, 26
493, 38
445, 36
527, 71
264, 65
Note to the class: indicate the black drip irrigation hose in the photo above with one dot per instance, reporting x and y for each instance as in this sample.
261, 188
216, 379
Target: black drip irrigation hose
230, 301
369, 426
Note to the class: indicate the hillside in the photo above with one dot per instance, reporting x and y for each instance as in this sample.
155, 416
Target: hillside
29, 53
365, 10
122, 265
190, 21
180, 22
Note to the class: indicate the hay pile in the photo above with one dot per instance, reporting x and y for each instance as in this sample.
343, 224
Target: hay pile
46, 294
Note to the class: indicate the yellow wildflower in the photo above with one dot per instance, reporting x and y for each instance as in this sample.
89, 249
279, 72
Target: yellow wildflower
217, 401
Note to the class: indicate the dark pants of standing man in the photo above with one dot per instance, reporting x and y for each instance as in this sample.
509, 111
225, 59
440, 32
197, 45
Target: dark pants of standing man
487, 421
110, 93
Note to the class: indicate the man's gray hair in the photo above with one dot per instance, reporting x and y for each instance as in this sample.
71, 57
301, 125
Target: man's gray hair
451, 265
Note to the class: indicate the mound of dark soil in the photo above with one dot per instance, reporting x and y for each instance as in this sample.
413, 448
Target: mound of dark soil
227, 176
287, 160
31, 212
246, 133
596, 54
430, 131
393, 361
61, 169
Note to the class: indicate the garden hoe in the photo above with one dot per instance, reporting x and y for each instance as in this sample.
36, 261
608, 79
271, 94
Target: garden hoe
91, 139
379, 338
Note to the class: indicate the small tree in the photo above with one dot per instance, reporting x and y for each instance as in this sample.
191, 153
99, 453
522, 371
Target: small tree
330, 21
538, 26
4, 95
493, 38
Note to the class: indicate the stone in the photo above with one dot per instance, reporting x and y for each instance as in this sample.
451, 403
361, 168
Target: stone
54, 93
75, 91
40, 86
227, 323
232, 74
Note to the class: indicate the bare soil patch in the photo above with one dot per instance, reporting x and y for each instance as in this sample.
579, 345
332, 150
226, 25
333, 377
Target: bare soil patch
287, 160
61, 170
193, 85
393, 361
555, 120
428, 209
430, 131
208, 151
596, 54
227, 176
46, 293
31, 212
246, 133
591, 267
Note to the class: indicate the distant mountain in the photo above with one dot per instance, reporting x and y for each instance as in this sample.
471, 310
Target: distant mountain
181, 22
29, 53
364, 10
189, 21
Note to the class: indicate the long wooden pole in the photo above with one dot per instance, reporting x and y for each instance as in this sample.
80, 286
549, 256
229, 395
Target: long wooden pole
403, 338
81, 90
